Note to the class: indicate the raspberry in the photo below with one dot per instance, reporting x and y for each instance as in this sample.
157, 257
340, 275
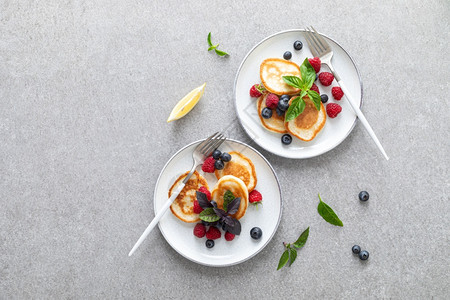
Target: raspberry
326, 78
315, 63
208, 165
272, 101
204, 190
333, 109
314, 87
256, 90
197, 208
199, 230
213, 233
337, 93
254, 197
229, 236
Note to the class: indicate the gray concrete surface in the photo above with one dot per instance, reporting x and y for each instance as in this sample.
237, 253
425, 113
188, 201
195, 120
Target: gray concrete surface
86, 87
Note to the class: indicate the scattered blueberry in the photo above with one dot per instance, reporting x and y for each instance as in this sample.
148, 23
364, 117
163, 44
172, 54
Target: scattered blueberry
225, 157
363, 196
283, 104
286, 139
216, 154
219, 165
324, 98
209, 243
356, 249
279, 111
363, 255
287, 55
214, 203
256, 233
298, 45
266, 113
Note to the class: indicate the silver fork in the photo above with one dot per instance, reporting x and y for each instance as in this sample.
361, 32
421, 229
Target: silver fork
320, 48
201, 152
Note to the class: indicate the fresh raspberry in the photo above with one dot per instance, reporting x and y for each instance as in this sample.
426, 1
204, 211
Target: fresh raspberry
213, 233
315, 63
229, 236
199, 230
333, 109
326, 78
197, 208
208, 165
256, 90
314, 87
272, 101
204, 190
254, 197
337, 93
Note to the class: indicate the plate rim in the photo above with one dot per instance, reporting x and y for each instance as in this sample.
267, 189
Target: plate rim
239, 71
253, 254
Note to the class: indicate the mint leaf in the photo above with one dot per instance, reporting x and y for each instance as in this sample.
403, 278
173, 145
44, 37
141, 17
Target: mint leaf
209, 215
315, 98
283, 259
293, 81
233, 206
308, 75
328, 214
220, 53
227, 198
296, 108
293, 256
209, 39
301, 241
203, 200
235, 227
213, 47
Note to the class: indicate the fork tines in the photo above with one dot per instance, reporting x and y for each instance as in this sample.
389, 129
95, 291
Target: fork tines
318, 45
212, 143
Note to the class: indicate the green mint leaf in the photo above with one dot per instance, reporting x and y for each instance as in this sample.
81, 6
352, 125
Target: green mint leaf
308, 75
296, 108
283, 259
213, 47
227, 198
209, 215
293, 256
328, 214
209, 39
293, 81
301, 241
220, 53
315, 98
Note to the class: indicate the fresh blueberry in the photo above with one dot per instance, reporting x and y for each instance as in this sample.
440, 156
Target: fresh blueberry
214, 203
256, 233
224, 227
279, 111
225, 157
283, 104
363, 196
285, 97
363, 255
287, 55
286, 139
209, 243
219, 165
324, 98
266, 113
356, 249
216, 154
298, 45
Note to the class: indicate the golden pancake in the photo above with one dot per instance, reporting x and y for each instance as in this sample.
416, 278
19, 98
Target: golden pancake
237, 187
241, 167
272, 71
309, 123
276, 122
183, 205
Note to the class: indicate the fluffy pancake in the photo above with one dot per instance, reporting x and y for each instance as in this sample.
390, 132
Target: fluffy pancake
183, 205
241, 167
309, 123
271, 72
276, 122
237, 187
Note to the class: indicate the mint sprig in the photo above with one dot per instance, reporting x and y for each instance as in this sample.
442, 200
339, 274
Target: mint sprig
214, 47
290, 253
328, 213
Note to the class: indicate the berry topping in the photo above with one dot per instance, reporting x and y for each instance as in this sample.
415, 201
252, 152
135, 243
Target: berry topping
337, 93
272, 101
286, 139
209, 243
256, 90
216, 154
279, 111
229, 236
315, 63
213, 233
283, 104
333, 110
314, 87
219, 165
324, 98
255, 233
298, 45
254, 197
287, 55
204, 190
199, 230
326, 78
208, 165
266, 113
225, 157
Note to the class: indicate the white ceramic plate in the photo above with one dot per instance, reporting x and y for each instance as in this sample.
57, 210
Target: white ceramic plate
334, 131
180, 234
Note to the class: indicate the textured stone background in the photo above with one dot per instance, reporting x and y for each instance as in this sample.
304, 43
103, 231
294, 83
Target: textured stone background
86, 87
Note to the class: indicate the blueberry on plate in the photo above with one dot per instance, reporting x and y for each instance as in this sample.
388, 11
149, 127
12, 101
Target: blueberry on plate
317, 76
286, 139
324, 98
219, 165
279, 111
363, 196
287, 55
209, 243
356, 249
214, 203
363, 255
286, 97
298, 45
266, 113
216, 154
283, 104
225, 157
256, 233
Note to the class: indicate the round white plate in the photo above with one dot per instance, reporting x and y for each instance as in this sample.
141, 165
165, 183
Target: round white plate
180, 234
334, 131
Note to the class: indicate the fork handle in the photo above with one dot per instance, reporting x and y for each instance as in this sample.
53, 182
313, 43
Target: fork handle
361, 117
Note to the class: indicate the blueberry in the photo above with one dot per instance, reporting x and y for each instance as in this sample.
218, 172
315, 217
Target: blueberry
363, 196
224, 227
298, 45
214, 203
256, 233
356, 249
209, 223
225, 157
216, 154
287, 55
219, 165
283, 104
324, 98
279, 111
286, 97
317, 76
286, 139
363, 255
209, 243
266, 113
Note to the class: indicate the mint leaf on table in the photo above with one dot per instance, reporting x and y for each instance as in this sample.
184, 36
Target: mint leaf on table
214, 47
209, 40
220, 53
283, 259
301, 241
290, 254
308, 74
328, 214
315, 98
209, 215
293, 256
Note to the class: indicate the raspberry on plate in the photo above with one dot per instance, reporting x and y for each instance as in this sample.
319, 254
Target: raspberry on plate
314, 87
208, 165
333, 109
256, 90
197, 208
254, 197
315, 63
199, 230
204, 190
213, 233
229, 236
326, 78
272, 101
337, 93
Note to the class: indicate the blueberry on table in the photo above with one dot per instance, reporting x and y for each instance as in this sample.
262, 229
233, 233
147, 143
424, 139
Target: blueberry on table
287, 55
363, 196
298, 45
363, 255
216, 154
324, 98
356, 249
286, 139
266, 113
225, 157
256, 233
209, 243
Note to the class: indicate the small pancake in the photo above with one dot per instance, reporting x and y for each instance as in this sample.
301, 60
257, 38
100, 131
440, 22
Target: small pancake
272, 71
241, 167
237, 187
309, 123
276, 122
183, 205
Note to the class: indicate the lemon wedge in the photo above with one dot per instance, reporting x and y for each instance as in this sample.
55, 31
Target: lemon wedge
186, 104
